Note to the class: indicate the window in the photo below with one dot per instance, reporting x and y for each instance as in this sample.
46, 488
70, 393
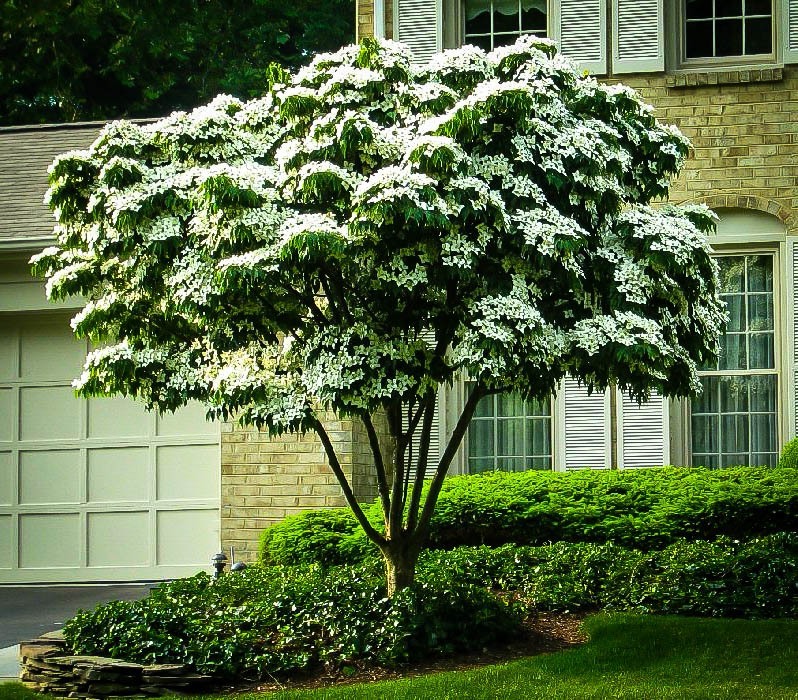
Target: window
510, 434
734, 421
717, 29
492, 23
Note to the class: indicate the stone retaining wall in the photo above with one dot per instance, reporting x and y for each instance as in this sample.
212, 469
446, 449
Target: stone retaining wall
47, 667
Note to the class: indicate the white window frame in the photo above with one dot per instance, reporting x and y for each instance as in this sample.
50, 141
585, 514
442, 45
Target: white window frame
679, 50
779, 319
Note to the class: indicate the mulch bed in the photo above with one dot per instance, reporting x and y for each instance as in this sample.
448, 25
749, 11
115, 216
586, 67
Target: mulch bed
542, 633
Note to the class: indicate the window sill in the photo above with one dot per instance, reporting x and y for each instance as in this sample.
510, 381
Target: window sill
701, 77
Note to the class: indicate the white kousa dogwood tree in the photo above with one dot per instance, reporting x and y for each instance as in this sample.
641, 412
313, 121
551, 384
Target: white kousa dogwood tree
369, 231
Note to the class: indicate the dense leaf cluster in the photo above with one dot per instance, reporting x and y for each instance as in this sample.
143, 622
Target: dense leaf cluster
256, 623
724, 578
367, 231
644, 509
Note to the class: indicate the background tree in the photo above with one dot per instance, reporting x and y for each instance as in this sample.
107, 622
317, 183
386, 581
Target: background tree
104, 59
366, 233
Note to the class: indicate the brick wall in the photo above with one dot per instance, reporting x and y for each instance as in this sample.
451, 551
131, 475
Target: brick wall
744, 136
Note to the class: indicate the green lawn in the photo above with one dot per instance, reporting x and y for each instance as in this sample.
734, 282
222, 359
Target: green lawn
628, 656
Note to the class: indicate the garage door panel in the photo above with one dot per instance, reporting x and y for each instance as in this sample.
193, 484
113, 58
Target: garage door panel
187, 472
49, 413
186, 536
118, 474
118, 417
189, 420
7, 415
49, 540
6, 478
118, 539
6, 545
8, 353
49, 351
50, 477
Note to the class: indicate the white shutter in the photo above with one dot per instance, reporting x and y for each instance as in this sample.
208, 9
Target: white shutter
580, 29
791, 31
792, 314
643, 433
637, 36
586, 426
419, 24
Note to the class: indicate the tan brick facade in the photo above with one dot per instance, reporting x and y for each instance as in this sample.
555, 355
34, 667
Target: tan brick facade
744, 136
265, 479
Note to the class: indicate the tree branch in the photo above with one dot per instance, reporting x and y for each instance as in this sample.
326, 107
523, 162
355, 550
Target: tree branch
335, 465
399, 477
421, 465
477, 393
379, 465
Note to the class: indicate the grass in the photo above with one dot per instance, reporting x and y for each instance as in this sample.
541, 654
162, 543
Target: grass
628, 656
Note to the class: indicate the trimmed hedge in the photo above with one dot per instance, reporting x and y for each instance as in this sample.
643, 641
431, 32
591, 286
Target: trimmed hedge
724, 578
643, 509
258, 622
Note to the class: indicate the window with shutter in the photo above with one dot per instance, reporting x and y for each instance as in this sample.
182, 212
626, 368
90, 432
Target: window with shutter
643, 435
580, 29
419, 24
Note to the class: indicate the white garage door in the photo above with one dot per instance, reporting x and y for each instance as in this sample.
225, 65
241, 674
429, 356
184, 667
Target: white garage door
95, 490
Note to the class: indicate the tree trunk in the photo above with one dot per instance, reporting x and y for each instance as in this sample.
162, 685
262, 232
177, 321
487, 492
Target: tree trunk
400, 566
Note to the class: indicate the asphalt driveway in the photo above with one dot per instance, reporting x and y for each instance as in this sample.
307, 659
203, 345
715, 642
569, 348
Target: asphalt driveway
28, 611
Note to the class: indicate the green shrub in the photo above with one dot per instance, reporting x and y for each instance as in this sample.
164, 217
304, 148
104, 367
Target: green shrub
259, 622
643, 509
789, 455
757, 578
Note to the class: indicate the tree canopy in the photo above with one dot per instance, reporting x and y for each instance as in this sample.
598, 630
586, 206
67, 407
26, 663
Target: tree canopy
104, 59
368, 232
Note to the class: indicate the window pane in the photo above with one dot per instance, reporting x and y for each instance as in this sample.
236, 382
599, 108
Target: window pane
735, 304
698, 39
483, 42
729, 8
480, 438
758, 36
763, 432
538, 435
734, 460
761, 353
729, 37
760, 312
734, 394
510, 464
734, 434
510, 437
538, 463
477, 17
484, 406
760, 273
510, 405
758, 7
763, 394
733, 352
533, 16
732, 274
708, 401
477, 466
705, 434
506, 16
698, 9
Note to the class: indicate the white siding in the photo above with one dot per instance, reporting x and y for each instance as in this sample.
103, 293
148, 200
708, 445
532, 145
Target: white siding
585, 420
580, 27
642, 432
791, 31
419, 24
637, 37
